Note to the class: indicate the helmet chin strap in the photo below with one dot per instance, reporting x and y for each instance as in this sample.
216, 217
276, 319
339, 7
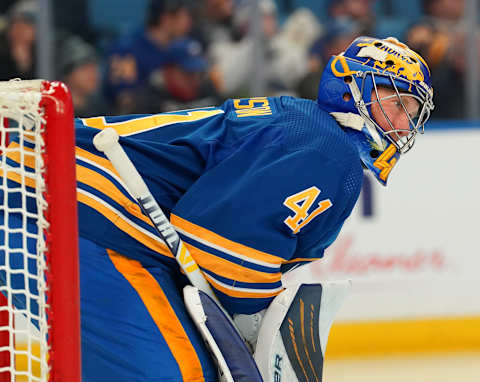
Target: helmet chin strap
352, 120
358, 121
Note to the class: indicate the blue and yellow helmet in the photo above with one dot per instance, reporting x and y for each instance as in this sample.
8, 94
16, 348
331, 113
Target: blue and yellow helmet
349, 87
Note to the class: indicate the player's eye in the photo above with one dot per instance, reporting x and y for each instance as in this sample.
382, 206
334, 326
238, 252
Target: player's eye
413, 111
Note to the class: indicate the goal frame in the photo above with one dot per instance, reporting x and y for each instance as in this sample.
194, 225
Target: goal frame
63, 306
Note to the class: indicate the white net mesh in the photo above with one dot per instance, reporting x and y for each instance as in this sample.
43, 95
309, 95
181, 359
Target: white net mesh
23, 249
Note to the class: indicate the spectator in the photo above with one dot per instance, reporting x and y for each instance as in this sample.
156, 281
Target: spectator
184, 82
339, 33
444, 11
78, 67
214, 22
229, 55
72, 18
290, 47
394, 17
284, 51
17, 44
430, 42
359, 11
440, 38
135, 58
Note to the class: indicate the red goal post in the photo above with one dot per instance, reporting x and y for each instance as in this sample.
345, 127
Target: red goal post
40, 317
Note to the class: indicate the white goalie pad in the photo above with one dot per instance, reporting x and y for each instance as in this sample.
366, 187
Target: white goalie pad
294, 332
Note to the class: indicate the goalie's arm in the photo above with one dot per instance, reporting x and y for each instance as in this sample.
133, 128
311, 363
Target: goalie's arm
107, 142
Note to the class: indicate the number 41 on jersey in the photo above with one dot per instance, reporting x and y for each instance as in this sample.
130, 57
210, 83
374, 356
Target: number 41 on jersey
300, 203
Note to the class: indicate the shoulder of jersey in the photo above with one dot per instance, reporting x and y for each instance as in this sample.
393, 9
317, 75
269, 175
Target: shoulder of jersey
309, 126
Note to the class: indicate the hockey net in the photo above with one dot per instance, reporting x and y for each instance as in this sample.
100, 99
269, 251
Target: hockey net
39, 314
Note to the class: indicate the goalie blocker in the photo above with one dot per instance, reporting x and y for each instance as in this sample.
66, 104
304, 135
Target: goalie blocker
291, 341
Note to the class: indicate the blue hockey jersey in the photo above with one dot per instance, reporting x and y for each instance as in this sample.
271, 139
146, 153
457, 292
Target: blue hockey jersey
254, 187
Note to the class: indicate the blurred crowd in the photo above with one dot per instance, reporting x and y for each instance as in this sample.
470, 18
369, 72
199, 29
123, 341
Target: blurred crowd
149, 56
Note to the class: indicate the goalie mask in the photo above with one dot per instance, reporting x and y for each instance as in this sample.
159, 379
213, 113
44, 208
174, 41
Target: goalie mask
353, 82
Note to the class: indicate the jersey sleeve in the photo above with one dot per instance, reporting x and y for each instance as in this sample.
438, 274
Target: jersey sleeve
168, 150
108, 214
251, 214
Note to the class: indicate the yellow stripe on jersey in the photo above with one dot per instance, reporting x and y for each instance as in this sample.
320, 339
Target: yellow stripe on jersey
226, 245
102, 184
231, 270
103, 163
162, 314
236, 292
29, 154
18, 178
123, 224
28, 160
105, 186
143, 124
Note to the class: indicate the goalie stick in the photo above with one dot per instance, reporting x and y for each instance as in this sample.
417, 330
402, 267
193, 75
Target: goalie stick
107, 142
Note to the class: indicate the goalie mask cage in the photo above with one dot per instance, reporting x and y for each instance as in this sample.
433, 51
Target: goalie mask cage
39, 316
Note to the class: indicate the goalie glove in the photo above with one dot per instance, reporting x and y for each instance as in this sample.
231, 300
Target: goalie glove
293, 335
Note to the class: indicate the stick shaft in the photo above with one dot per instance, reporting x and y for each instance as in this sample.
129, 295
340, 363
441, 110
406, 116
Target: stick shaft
107, 142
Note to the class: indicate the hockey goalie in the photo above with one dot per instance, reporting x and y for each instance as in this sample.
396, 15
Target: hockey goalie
253, 188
